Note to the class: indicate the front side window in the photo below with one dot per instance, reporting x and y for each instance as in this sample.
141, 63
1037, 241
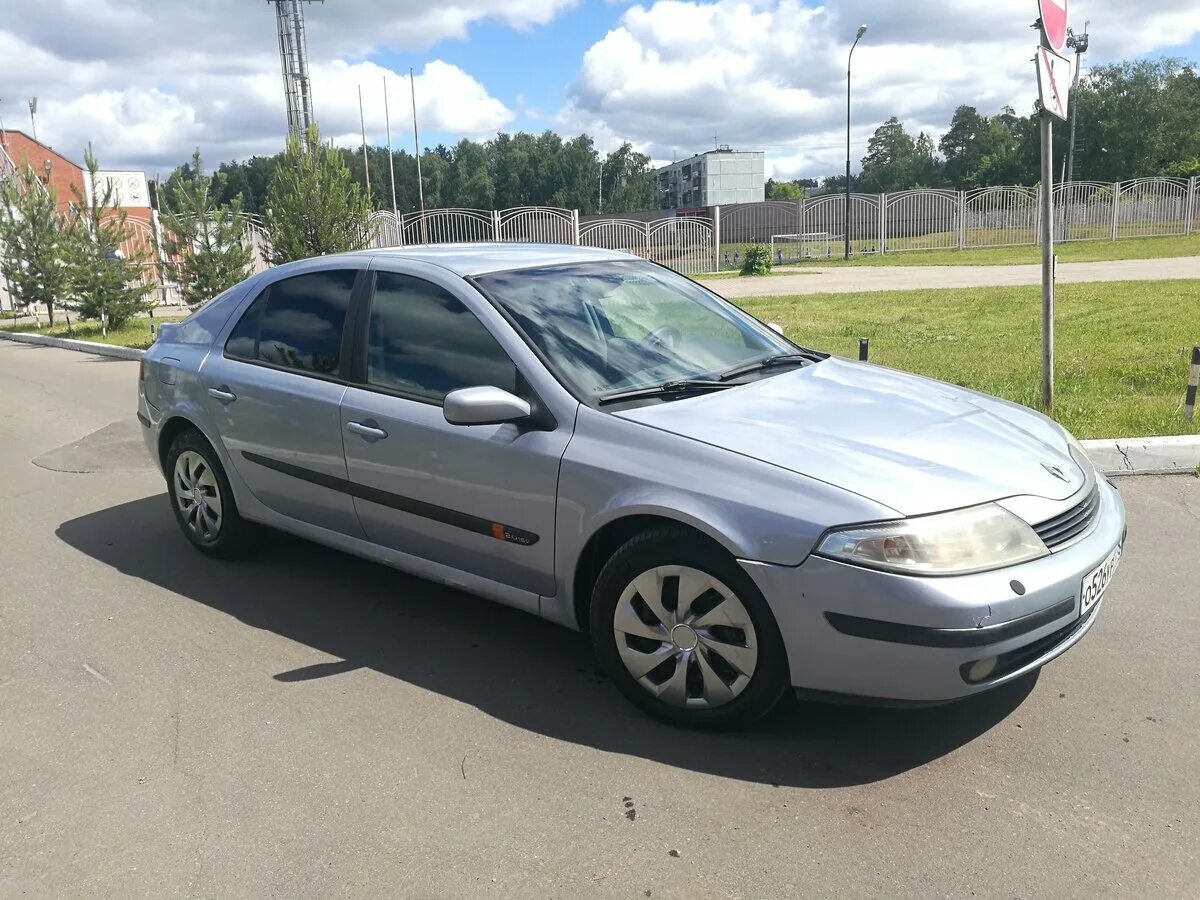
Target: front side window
422, 341
297, 323
608, 327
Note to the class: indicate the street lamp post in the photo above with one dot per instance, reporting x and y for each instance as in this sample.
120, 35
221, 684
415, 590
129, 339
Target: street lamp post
862, 29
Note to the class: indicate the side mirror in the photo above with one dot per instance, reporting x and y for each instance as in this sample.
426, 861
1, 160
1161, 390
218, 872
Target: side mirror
483, 405
775, 327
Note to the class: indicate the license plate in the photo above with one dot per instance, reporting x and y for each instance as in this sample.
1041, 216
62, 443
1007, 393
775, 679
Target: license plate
1096, 581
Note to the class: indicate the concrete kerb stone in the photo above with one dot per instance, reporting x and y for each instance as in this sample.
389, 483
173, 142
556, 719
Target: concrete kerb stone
1146, 456
1119, 456
70, 344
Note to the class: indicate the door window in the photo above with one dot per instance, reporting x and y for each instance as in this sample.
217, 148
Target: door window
423, 341
297, 323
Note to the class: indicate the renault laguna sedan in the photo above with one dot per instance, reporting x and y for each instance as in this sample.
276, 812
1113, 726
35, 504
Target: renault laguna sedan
602, 442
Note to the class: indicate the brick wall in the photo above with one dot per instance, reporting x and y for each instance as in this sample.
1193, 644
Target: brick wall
64, 176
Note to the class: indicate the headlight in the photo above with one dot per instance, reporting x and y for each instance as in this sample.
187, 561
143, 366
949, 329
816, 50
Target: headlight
955, 543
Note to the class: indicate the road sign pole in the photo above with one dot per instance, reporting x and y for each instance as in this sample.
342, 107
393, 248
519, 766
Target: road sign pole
1047, 214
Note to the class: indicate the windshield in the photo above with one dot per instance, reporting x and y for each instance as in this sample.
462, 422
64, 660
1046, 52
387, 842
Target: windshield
606, 327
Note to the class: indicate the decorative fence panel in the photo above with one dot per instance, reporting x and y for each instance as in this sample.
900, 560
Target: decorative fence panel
825, 218
449, 226
684, 244
1083, 211
538, 225
745, 224
1151, 207
617, 234
999, 217
922, 220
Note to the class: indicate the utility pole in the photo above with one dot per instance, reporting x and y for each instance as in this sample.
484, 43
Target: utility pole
1079, 42
33, 115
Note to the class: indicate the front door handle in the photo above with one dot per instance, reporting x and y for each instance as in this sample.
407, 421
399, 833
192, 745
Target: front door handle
223, 393
368, 430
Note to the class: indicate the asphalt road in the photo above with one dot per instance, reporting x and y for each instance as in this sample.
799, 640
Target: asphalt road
848, 279
305, 724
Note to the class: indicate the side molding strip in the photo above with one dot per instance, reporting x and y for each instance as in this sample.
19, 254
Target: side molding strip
465, 521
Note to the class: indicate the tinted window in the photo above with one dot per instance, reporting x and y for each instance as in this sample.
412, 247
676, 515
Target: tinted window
243, 340
424, 341
298, 323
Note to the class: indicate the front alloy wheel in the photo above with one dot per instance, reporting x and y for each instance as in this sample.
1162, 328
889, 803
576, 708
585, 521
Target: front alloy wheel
685, 633
685, 637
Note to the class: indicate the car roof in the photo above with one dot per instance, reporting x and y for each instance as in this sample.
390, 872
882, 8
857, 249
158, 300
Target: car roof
478, 258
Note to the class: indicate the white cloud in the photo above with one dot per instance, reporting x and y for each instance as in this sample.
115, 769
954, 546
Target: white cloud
771, 74
146, 81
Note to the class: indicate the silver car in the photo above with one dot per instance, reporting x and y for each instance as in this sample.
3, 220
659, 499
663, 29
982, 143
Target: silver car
602, 442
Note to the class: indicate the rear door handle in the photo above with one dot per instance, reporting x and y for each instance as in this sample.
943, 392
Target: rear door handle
368, 430
223, 393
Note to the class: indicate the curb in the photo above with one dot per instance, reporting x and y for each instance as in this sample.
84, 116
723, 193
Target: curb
1178, 455
42, 340
1146, 456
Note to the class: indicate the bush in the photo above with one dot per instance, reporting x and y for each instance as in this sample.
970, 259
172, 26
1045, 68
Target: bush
757, 261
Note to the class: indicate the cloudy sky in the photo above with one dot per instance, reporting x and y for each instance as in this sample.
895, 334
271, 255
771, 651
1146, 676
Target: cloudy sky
147, 80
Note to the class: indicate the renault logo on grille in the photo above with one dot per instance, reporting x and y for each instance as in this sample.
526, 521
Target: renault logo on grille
1056, 472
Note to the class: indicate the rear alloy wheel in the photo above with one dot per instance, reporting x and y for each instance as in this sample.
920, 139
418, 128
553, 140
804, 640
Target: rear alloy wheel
198, 495
685, 633
202, 499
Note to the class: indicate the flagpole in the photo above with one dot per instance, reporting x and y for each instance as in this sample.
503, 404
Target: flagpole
366, 164
412, 84
391, 163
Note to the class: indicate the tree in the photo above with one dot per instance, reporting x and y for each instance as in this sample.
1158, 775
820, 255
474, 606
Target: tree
313, 205
107, 282
33, 241
1136, 119
205, 239
890, 159
785, 190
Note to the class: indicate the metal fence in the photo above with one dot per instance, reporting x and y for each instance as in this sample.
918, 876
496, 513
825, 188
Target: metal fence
956, 220
816, 228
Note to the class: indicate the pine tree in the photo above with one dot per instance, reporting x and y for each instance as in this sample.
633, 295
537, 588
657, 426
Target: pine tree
205, 239
33, 242
106, 283
313, 205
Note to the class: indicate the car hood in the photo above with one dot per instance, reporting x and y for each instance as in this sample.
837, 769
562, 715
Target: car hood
911, 443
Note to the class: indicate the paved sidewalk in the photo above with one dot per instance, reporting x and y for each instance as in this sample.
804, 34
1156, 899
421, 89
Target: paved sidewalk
846, 279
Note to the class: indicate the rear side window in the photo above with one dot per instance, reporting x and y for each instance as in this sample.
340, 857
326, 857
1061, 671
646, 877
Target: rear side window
424, 342
297, 323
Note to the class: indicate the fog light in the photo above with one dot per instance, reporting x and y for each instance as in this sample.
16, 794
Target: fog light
981, 669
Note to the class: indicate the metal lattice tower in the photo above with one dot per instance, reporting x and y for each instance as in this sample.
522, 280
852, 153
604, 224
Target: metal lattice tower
293, 57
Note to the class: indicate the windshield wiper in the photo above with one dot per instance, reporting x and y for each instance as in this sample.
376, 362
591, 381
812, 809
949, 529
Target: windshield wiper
668, 389
771, 362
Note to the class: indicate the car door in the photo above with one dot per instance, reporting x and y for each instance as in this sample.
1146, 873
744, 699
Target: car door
480, 499
274, 392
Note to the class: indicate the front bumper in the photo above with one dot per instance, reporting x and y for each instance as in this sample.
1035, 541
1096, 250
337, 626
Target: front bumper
862, 632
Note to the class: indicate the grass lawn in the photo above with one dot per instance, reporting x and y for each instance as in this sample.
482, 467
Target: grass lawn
1122, 348
134, 334
1074, 251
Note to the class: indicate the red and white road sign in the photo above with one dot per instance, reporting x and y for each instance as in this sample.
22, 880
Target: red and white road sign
1054, 81
1054, 23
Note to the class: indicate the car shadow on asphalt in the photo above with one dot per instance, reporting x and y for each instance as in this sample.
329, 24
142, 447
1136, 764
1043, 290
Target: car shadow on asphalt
509, 664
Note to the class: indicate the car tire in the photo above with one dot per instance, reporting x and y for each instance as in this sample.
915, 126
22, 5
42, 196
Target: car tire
727, 673
195, 479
